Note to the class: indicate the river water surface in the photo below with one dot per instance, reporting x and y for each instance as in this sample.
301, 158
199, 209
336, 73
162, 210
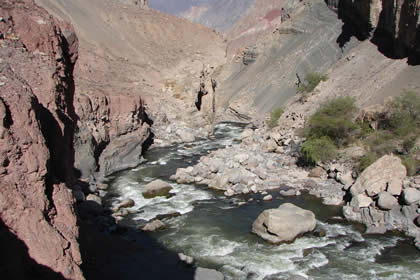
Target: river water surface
216, 232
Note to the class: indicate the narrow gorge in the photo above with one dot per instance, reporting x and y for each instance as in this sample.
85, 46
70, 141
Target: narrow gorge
210, 139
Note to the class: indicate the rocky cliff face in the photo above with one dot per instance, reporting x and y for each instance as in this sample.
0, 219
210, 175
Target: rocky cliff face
36, 135
395, 25
125, 54
111, 133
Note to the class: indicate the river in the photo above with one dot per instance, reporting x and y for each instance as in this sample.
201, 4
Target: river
216, 231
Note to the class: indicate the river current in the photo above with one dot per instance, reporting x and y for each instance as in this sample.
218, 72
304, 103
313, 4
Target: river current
216, 231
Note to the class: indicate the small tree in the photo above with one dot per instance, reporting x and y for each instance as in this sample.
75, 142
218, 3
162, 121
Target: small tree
312, 79
274, 117
318, 149
334, 120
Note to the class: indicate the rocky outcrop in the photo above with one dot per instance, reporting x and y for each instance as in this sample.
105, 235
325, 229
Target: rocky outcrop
284, 224
395, 24
383, 199
36, 135
111, 133
377, 176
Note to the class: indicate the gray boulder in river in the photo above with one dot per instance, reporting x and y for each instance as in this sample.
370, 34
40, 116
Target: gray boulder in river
207, 274
156, 188
284, 224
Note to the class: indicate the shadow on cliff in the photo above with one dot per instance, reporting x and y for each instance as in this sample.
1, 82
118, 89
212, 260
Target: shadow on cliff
15, 262
390, 45
127, 254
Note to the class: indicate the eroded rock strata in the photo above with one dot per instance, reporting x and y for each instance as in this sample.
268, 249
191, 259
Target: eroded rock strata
37, 116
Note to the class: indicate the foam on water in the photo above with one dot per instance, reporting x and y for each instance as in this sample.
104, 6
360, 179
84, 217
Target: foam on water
147, 209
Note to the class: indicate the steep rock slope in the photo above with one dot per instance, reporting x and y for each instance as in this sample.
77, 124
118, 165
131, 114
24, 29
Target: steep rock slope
36, 135
262, 18
264, 75
126, 58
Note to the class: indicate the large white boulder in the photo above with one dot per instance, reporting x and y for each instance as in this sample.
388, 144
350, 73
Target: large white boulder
377, 176
284, 224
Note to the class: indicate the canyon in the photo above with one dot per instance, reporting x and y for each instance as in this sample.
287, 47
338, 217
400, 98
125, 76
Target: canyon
87, 87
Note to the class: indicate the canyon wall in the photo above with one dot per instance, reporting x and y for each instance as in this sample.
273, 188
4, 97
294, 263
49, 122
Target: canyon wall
285, 41
394, 25
111, 133
127, 57
37, 58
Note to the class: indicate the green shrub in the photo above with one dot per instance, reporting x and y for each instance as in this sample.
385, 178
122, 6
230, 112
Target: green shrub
409, 143
315, 150
367, 160
334, 120
404, 114
312, 79
381, 142
274, 117
412, 165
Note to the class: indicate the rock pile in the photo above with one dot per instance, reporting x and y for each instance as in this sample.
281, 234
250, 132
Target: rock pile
244, 168
383, 198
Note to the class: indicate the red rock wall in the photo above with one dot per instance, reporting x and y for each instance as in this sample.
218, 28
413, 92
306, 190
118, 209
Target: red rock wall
36, 135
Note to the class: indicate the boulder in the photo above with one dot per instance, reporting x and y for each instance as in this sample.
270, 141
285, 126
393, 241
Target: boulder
360, 201
268, 197
156, 188
394, 186
271, 146
101, 186
216, 165
317, 172
186, 259
386, 201
235, 176
290, 192
153, 226
95, 198
207, 274
229, 192
185, 135
127, 203
411, 196
247, 133
346, 179
376, 177
284, 224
